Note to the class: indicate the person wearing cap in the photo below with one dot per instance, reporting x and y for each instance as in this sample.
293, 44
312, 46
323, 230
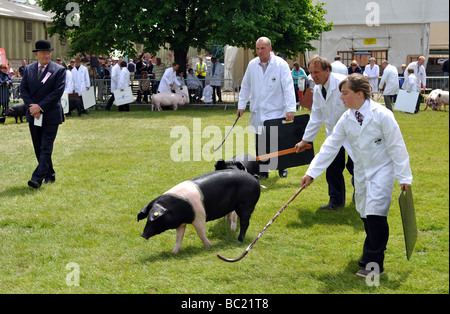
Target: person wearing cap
42, 87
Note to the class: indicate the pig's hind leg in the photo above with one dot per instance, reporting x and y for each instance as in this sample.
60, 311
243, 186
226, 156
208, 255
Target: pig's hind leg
233, 218
244, 211
200, 226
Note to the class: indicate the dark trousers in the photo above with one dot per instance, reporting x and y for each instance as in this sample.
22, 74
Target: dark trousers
218, 90
43, 139
335, 178
389, 100
377, 235
110, 102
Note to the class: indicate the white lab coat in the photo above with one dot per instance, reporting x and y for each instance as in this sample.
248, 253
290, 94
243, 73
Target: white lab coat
115, 73
390, 78
68, 88
419, 71
326, 111
124, 79
338, 67
412, 84
271, 94
216, 79
80, 79
372, 73
207, 94
169, 77
380, 156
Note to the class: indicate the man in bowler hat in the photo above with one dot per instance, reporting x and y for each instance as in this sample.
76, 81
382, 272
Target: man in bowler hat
42, 87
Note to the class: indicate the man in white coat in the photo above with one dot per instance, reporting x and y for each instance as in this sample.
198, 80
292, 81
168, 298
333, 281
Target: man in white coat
380, 157
269, 86
419, 71
115, 73
338, 67
81, 79
169, 79
124, 83
390, 79
216, 72
328, 108
372, 71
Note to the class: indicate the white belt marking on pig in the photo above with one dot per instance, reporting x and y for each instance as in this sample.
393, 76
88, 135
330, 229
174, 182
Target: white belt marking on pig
192, 194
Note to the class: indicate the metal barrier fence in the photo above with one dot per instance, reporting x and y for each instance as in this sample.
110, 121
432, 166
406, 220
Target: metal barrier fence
229, 91
102, 91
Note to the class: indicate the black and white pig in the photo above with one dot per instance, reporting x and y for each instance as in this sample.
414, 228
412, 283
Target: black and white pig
17, 111
196, 201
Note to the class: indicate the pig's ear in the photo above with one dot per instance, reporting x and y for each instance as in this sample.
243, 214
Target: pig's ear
240, 165
144, 212
220, 164
156, 212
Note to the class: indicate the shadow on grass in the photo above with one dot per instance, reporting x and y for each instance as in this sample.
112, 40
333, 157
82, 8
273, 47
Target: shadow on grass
21, 190
345, 216
347, 281
219, 231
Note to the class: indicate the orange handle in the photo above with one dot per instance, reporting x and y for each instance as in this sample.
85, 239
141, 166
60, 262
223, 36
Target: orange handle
282, 152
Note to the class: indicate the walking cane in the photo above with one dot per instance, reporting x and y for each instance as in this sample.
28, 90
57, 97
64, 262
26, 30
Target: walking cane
264, 230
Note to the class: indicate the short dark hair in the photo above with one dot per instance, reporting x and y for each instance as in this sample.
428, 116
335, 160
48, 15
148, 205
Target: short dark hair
357, 83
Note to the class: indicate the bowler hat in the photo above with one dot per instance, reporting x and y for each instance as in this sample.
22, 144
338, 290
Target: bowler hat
43, 45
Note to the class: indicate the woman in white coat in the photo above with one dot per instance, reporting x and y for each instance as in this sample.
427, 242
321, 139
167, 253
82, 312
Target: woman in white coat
372, 71
380, 157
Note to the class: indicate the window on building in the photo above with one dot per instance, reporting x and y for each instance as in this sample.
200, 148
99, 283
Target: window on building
28, 31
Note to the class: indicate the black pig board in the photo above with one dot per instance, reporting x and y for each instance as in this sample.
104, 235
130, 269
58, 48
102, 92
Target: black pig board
289, 134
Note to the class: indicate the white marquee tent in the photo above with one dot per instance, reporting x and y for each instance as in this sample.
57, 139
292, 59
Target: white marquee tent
399, 28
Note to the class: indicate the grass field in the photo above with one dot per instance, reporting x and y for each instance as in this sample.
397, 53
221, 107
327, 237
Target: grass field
110, 164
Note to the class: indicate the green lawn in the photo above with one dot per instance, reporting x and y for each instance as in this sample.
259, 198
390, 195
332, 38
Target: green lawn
110, 164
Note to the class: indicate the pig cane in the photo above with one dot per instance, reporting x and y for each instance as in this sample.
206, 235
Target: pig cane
216, 149
264, 230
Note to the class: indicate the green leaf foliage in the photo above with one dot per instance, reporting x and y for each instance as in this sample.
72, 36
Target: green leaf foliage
106, 25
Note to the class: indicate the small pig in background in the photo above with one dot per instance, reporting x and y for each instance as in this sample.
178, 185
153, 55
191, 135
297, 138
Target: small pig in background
17, 111
168, 99
436, 99
205, 198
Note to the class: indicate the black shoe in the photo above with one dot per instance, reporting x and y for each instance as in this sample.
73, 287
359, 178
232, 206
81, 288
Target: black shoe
283, 173
263, 175
331, 207
34, 184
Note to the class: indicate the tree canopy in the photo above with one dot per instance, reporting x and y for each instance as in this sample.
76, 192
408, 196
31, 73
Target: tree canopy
107, 25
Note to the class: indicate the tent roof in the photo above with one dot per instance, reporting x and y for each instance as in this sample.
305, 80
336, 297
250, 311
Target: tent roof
355, 12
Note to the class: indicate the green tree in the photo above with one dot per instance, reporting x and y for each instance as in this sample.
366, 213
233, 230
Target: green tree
106, 25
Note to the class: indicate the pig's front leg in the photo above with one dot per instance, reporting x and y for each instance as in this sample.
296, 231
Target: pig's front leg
180, 234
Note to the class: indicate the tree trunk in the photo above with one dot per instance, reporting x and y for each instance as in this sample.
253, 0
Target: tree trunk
180, 58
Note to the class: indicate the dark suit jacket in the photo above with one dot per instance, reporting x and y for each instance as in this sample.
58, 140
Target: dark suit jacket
46, 94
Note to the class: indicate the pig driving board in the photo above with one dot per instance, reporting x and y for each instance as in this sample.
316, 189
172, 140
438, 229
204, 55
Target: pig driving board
289, 134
